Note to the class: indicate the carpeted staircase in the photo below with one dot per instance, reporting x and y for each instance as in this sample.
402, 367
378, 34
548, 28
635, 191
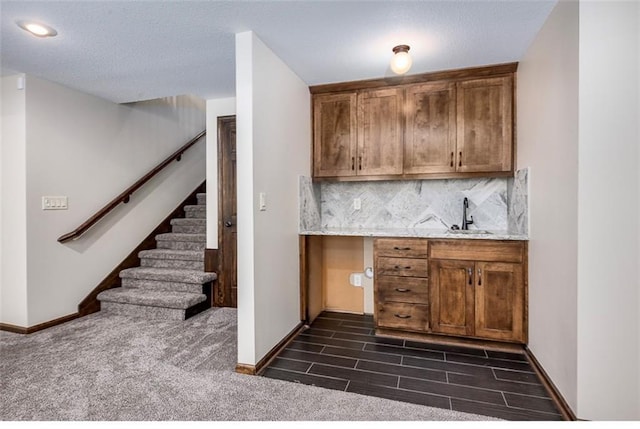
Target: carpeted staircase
171, 282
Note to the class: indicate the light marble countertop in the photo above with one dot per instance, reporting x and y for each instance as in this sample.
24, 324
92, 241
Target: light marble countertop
417, 232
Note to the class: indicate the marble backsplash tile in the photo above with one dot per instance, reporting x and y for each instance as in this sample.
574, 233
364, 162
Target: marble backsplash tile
415, 204
430, 204
518, 202
309, 204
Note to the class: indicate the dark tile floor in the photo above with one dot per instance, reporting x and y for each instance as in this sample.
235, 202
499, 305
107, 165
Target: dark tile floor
339, 351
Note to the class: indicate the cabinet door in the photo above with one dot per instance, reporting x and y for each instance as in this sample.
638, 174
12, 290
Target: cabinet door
485, 117
334, 135
499, 301
430, 131
380, 132
451, 291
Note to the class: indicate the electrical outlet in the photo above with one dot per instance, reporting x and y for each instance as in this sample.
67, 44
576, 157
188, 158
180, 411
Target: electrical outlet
54, 203
357, 280
357, 203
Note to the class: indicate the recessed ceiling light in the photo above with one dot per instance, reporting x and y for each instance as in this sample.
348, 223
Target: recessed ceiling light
37, 29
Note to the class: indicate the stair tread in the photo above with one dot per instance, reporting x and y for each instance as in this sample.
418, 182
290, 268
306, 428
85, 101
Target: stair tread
195, 207
183, 255
152, 298
181, 236
168, 275
188, 221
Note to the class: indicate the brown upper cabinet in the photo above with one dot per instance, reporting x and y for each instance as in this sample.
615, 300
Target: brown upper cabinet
430, 128
456, 123
485, 116
334, 134
380, 132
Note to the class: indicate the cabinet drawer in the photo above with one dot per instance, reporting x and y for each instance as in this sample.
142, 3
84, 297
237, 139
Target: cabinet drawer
401, 247
402, 289
477, 250
404, 267
397, 315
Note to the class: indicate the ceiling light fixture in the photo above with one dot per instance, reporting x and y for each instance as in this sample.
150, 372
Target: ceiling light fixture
38, 30
401, 60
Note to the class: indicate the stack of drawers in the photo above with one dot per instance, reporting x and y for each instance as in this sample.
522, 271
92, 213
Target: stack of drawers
401, 283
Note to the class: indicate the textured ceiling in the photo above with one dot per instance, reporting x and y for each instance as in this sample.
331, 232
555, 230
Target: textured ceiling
135, 50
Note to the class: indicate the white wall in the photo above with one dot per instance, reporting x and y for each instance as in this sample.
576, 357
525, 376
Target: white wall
578, 111
609, 212
13, 221
548, 144
90, 150
215, 108
273, 150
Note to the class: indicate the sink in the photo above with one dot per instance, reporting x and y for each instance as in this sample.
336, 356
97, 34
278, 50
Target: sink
469, 231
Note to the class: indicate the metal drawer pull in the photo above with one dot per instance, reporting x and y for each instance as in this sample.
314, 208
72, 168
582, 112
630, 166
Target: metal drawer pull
479, 277
401, 248
400, 289
353, 162
403, 316
398, 267
470, 275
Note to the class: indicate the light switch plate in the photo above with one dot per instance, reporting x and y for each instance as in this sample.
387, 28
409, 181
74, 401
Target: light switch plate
357, 203
54, 203
263, 201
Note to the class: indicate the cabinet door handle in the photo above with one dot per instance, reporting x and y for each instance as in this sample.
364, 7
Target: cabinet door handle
460, 159
401, 289
403, 316
353, 162
360, 163
470, 272
401, 248
479, 277
452, 159
398, 267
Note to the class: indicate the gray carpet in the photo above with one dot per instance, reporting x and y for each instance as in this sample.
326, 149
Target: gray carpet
109, 367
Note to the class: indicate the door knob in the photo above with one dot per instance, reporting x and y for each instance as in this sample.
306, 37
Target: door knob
228, 224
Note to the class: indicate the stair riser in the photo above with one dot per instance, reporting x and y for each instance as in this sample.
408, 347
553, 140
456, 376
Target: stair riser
202, 199
158, 285
189, 229
199, 213
172, 263
142, 311
181, 245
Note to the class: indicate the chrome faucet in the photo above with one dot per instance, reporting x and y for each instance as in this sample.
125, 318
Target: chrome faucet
465, 222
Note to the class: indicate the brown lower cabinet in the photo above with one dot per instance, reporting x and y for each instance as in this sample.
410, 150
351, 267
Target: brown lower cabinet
471, 288
401, 285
